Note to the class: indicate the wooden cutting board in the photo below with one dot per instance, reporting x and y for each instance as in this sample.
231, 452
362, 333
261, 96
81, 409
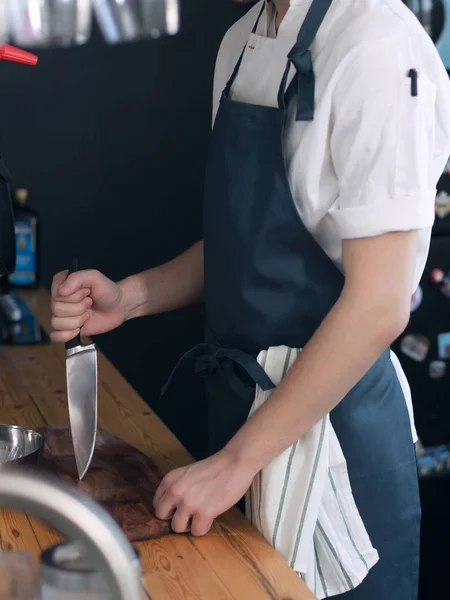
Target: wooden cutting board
120, 478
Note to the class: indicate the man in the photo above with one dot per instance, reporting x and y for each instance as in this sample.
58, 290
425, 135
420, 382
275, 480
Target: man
319, 200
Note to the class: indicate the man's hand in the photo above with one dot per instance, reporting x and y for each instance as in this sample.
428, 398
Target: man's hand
193, 496
86, 301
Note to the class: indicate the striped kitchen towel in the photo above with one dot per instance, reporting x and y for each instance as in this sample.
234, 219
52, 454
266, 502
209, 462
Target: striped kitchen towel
303, 504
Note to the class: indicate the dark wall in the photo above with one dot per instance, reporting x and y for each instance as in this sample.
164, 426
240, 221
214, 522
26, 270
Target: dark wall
111, 142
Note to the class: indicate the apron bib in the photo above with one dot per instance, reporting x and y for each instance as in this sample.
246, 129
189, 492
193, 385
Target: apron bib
269, 283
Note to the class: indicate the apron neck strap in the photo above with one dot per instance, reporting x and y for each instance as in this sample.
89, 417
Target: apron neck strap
303, 83
239, 62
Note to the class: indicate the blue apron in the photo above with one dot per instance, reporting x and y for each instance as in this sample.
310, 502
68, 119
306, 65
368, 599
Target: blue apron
269, 283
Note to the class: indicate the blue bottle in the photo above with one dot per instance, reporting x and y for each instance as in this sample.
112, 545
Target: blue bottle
26, 274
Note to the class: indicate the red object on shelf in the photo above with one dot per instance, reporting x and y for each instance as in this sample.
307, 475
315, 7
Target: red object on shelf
8, 52
437, 275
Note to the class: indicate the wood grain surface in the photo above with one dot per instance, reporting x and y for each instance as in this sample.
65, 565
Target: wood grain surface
233, 562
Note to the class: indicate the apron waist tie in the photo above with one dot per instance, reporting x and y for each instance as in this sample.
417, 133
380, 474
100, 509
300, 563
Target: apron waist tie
210, 358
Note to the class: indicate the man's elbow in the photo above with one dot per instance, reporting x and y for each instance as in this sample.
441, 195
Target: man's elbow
391, 320
383, 317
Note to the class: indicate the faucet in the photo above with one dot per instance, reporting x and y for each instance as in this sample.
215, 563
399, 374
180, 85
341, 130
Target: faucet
80, 518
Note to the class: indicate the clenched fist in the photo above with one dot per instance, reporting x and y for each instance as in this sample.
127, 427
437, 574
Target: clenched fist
86, 302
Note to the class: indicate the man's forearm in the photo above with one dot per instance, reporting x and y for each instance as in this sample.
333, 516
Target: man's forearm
349, 341
176, 284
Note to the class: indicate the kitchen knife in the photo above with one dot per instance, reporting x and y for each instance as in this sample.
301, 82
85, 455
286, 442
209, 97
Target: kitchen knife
81, 372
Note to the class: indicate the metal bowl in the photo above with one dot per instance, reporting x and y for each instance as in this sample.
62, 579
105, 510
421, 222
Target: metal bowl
20, 446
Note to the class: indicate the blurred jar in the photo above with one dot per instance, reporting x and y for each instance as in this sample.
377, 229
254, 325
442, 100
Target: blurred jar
66, 575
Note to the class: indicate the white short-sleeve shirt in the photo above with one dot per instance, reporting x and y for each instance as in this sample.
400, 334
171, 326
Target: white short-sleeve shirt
370, 160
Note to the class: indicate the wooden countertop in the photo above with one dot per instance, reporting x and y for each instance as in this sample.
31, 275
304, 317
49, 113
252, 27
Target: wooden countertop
232, 562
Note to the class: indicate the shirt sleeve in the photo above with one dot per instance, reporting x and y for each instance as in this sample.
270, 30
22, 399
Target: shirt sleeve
385, 146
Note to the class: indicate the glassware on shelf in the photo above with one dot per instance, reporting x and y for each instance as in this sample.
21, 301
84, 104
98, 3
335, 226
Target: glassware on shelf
41, 23
53, 23
130, 20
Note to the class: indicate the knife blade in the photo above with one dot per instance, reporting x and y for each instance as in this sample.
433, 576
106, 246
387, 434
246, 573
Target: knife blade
81, 374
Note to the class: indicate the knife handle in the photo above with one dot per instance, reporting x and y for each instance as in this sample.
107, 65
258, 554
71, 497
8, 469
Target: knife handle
76, 341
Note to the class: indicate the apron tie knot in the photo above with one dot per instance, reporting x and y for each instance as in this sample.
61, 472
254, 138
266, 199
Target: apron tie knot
210, 358
216, 358
302, 61
208, 363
